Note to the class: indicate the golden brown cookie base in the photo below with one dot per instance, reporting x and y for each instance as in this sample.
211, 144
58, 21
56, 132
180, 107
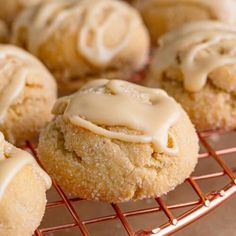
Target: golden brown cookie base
95, 167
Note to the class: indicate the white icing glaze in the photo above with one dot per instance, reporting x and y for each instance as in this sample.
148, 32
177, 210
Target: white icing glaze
98, 52
11, 92
17, 64
189, 41
223, 10
87, 12
150, 111
12, 160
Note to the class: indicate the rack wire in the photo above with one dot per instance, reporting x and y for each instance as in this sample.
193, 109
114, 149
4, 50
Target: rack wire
191, 210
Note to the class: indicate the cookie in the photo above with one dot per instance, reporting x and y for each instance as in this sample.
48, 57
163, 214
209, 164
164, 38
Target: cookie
115, 141
22, 191
196, 64
162, 16
27, 94
81, 40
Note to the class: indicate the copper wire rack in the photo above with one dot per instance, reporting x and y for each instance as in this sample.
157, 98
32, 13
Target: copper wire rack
191, 210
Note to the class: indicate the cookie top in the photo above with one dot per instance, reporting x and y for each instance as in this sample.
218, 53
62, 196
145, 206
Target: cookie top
105, 29
220, 10
12, 160
196, 50
122, 104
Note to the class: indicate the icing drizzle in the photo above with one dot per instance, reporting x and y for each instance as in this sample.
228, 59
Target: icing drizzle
118, 103
98, 52
12, 160
181, 48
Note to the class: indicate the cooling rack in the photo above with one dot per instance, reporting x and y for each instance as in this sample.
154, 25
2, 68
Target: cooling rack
191, 210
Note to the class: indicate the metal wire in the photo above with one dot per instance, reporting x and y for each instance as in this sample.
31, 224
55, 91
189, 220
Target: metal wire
199, 208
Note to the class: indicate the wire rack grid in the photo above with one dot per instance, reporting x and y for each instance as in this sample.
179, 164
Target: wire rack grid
205, 202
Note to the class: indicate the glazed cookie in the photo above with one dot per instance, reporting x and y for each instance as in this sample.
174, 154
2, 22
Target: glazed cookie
3, 32
115, 141
80, 40
22, 191
162, 16
10, 8
27, 94
196, 64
